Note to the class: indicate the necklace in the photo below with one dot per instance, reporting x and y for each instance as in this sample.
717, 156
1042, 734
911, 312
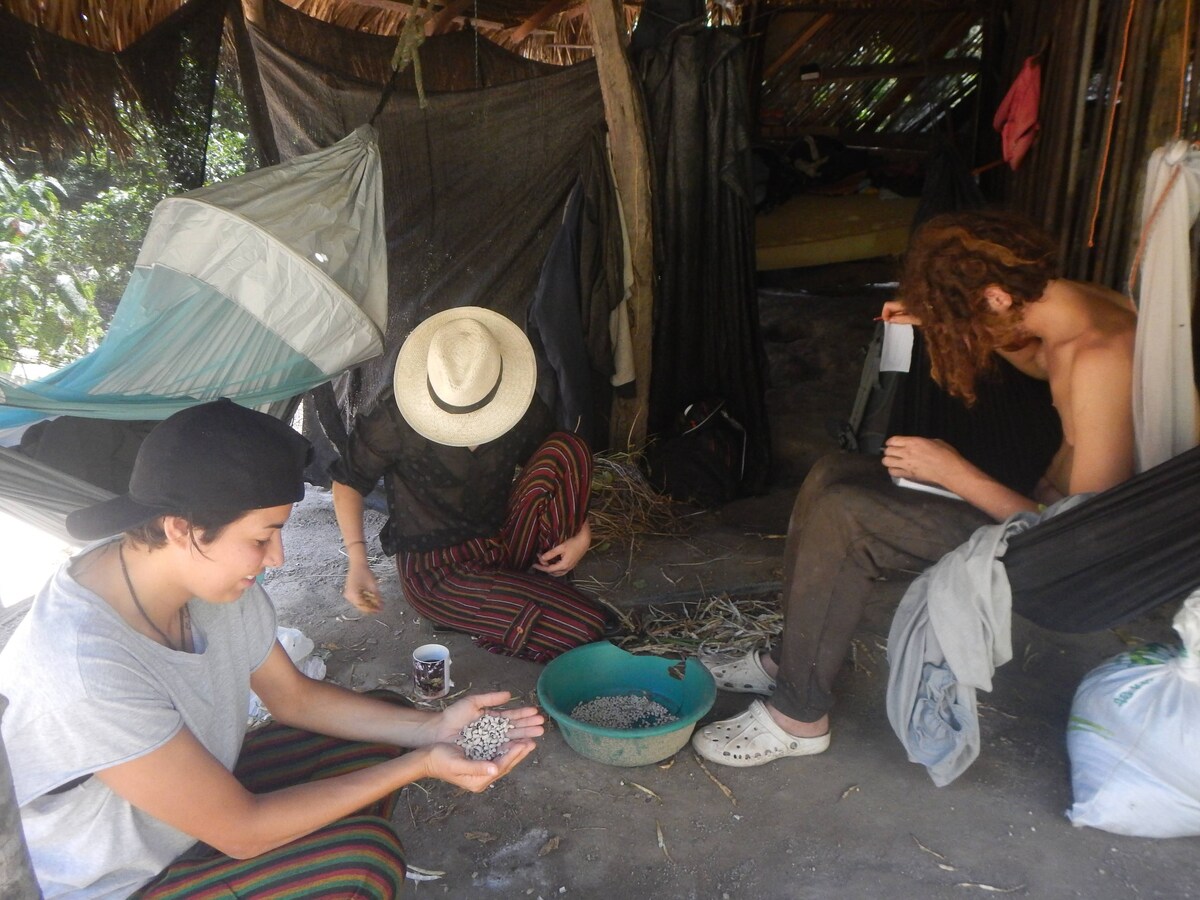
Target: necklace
184, 616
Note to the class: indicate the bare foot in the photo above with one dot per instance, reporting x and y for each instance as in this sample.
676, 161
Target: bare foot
768, 665
796, 728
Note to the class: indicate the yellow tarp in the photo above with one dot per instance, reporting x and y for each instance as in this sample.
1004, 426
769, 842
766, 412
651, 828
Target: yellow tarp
811, 230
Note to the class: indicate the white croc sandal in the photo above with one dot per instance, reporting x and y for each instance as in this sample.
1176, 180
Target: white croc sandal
752, 739
744, 675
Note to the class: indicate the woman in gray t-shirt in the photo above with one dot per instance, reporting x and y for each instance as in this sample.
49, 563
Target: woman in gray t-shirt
129, 680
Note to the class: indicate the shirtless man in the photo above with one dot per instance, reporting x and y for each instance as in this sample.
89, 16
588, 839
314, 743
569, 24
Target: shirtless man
977, 284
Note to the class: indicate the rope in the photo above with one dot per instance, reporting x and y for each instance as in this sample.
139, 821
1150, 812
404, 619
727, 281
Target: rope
1149, 226
1162, 197
412, 36
1112, 117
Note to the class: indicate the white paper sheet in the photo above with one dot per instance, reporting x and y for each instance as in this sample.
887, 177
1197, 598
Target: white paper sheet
896, 355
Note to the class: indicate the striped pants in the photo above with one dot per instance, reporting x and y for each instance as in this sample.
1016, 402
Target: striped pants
355, 858
485, 587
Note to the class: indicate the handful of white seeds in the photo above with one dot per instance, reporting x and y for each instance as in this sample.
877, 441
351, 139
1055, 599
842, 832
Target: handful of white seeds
483, 738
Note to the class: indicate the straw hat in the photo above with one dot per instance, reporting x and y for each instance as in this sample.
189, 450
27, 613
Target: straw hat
464, 376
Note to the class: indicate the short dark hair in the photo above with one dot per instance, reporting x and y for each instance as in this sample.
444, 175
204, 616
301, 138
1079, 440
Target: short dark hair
208, 525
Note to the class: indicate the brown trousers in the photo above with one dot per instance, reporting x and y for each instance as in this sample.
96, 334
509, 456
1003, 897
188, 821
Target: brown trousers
850, 527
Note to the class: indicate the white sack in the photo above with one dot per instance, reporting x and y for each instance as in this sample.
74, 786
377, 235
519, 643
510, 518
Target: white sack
1134, 738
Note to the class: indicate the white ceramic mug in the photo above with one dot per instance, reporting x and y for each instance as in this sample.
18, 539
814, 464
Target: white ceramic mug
431, 671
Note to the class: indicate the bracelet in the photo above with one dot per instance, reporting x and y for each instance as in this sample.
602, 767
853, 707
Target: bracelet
352, 543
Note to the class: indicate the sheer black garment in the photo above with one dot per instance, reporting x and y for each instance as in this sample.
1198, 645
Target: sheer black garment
437, 496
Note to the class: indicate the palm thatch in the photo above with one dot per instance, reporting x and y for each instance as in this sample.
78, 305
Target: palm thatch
83, 74
99, 24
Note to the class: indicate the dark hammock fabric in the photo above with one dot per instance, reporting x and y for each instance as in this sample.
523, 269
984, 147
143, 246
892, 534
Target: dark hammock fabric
1011, 433
475, 184
51, 85
948, 185
707, 340
1013, 430
1120, 554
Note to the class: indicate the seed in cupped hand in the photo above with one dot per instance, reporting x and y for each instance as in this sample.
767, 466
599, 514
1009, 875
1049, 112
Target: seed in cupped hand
483, 738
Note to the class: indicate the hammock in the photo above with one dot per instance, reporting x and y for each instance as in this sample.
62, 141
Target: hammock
1122, 553
256, 289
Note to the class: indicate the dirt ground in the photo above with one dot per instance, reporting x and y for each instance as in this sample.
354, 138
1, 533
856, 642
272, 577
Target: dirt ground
857, 822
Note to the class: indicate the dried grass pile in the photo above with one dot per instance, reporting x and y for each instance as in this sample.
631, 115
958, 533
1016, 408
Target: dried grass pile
713, 626
625, 505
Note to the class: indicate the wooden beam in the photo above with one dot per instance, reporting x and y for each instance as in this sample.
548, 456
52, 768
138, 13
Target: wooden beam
892, 8
446, 17
630, 149
960, 65
397, 6
794, 48
527, 27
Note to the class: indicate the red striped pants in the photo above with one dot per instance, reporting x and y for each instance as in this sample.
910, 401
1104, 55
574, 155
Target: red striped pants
485, 586
356, 858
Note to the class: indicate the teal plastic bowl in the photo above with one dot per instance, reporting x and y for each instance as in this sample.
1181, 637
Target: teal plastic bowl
604, 670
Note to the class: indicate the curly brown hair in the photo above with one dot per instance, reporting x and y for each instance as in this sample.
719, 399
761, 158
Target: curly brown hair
950, 262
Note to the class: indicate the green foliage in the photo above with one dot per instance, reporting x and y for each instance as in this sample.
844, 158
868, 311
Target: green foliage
230, 152
46, 313
68, 245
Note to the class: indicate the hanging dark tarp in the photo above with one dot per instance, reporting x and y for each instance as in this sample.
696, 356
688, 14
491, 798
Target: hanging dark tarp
475, 183
707, 341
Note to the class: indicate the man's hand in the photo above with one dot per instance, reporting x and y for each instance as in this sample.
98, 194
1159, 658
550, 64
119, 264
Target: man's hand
923, 459
362, 589
566, 556
1046, 493
894, 313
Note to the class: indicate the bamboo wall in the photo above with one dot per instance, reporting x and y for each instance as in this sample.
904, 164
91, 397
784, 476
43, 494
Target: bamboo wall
1115, 87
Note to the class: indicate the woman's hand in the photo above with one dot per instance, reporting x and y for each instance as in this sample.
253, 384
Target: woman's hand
524, 722
448, 763
566, 556
894, 313
362, 588
924, 459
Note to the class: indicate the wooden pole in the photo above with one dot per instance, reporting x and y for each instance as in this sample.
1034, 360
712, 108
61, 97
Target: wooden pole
625, 112
526, 28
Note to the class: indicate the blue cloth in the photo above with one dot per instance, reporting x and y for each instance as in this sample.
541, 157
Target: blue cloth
174, 342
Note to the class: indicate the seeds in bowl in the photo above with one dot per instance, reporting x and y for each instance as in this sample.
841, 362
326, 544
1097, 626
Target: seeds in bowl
623, 711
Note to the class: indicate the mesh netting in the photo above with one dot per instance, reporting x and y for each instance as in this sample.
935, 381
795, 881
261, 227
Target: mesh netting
474, 184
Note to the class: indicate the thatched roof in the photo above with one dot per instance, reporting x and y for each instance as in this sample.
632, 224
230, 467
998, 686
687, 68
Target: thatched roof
524, 25
844, 66
883, 73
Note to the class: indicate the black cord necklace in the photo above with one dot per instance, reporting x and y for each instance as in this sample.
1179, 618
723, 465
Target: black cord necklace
184, 615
